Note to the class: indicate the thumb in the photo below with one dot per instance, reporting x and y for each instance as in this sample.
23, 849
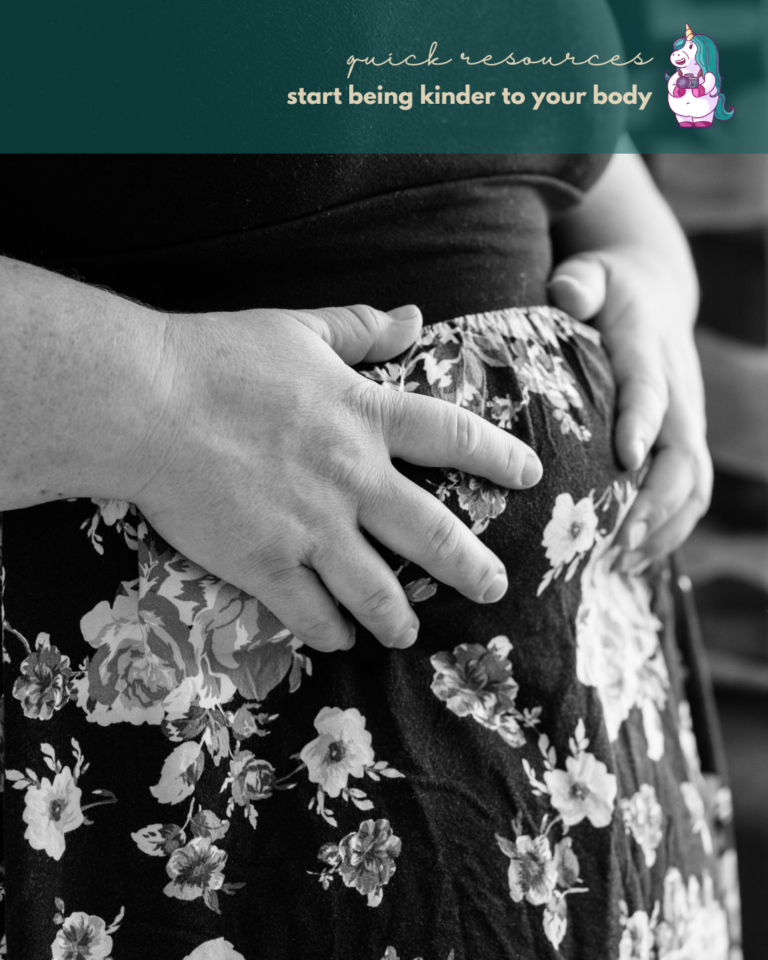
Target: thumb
361, 332
578, 286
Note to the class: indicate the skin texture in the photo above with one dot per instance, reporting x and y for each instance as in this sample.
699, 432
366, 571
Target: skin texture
252, 447
249, 444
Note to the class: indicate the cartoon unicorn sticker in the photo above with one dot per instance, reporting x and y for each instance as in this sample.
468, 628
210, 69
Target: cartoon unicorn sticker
694, 86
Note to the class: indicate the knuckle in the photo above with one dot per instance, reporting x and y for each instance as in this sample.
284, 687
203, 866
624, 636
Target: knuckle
444, 538
467, 433
379, 607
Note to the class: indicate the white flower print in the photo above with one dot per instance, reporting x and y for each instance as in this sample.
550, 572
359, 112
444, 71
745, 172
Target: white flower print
219, 949
617, 644
695, 803
251, 779
532, 871
584, 789
342, 749
52, 809
196, 870
181, 771
364, 859
83, 936
637, 937
159, 839
571, 531
477, 681
693, 923
643, 817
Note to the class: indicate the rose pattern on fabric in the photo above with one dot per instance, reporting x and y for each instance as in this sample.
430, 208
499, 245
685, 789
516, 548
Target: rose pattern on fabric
179, 650
644, 819
251, 779
45, 684
476, 681
176, 637
83, 936
364, 859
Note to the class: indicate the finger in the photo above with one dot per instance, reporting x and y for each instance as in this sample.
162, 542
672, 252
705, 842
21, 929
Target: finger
667, 488
301, 602
413, 523
578, 286
365, 584
643, 398
433, 433
666, 539
360, 332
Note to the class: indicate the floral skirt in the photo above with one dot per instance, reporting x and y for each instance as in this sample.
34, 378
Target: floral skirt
186, 781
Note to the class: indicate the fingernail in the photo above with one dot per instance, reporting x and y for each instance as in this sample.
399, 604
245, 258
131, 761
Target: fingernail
531, 470
564, 280
497, 589
408, 312
408, 639
637, 533
637, 448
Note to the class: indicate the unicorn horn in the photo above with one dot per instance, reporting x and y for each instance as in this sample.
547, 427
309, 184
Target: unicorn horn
688, 33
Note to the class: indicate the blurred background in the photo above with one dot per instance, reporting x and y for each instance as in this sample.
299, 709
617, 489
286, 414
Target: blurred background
722, 201
721, 198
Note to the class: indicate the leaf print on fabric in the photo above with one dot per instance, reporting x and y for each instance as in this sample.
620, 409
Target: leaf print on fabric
420, 590
113, 513
477, 681
197, 870
342, 749
617, 642
364, 859
181, 771
83, 936
52, 808
643, 818
46, 681
219, 949
480, 498
159, 839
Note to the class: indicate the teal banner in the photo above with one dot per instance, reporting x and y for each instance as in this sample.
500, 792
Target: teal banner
389, 77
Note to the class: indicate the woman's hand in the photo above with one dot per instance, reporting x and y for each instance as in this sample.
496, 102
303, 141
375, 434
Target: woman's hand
272, 457
645, 315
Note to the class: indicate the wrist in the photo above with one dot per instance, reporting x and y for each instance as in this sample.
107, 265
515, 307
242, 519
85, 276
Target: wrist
79, 390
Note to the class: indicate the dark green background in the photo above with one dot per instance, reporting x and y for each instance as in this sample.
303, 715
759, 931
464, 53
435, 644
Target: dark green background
212, 76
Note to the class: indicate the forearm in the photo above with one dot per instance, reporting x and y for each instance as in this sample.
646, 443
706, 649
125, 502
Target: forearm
625, 211
80, 384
